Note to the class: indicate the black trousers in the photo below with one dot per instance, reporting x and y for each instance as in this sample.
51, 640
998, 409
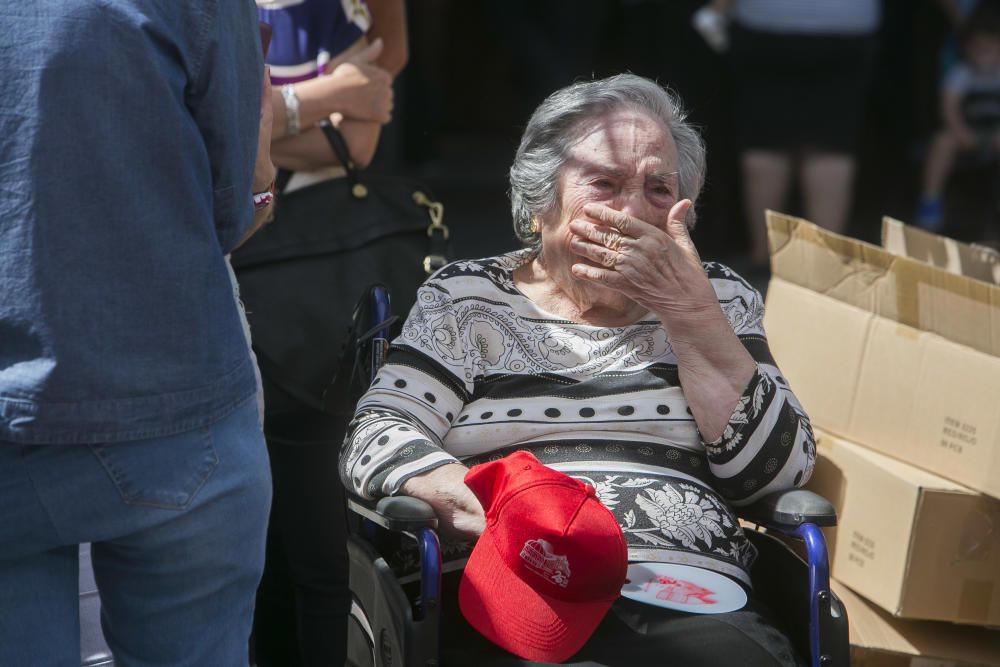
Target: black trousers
303, 600
634, 634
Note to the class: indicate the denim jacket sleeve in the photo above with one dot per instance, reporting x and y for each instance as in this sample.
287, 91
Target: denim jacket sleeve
228, 64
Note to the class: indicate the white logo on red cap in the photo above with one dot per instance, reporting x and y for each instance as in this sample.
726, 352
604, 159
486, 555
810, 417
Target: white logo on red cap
540, 559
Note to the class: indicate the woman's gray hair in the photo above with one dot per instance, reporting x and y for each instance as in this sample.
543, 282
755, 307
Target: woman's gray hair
559, 120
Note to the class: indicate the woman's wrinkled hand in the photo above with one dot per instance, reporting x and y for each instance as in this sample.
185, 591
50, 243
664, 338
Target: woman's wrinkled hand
460, 515
658, 268
364, 89
263, 171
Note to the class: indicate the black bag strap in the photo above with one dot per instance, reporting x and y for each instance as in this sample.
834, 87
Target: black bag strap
339, 146
343, 153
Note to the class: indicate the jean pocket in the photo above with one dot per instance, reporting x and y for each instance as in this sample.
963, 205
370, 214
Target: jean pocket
160, 472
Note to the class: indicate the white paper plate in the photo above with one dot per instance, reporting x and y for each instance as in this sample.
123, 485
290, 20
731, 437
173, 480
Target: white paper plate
683, 588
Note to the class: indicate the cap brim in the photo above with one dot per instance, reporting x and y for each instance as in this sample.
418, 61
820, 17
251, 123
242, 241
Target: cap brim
515, 616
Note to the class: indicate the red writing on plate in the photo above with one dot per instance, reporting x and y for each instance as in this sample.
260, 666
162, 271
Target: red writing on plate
679, 591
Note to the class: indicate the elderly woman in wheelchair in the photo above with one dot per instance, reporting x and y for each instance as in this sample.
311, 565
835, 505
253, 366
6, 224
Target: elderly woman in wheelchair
608, 350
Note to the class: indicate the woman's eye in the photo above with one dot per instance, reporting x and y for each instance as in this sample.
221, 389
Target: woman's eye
603, 184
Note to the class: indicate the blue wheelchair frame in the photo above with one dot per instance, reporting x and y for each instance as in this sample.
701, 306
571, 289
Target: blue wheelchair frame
796, 514
427, 539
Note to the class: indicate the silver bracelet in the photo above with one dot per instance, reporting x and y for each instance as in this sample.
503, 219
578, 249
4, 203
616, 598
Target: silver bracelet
292, 126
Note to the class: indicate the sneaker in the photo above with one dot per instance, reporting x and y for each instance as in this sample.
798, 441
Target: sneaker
930, 214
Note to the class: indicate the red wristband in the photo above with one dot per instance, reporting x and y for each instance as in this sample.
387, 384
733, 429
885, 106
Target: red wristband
263, 199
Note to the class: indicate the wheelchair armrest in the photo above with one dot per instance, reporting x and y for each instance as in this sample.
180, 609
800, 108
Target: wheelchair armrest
396, 513
789, 509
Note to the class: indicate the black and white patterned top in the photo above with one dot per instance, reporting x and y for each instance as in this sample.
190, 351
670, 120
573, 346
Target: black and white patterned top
480, 371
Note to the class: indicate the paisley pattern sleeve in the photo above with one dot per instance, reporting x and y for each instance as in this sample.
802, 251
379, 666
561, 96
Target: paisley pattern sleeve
768, 443
398, 425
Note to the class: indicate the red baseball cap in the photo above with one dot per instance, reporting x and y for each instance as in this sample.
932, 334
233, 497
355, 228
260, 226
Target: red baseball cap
550, 563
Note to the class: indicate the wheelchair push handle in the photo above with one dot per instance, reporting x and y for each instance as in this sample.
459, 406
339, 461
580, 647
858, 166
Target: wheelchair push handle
790, 509
403, 514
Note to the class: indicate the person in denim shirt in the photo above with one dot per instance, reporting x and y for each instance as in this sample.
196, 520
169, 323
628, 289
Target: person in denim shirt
129, 135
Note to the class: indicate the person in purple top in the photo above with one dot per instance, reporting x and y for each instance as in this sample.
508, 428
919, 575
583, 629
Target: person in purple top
333, 60
337, 61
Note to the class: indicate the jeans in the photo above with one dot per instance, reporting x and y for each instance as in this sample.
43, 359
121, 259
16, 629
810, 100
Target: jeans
177, 524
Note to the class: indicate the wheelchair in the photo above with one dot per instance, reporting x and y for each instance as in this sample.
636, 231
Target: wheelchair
387, 630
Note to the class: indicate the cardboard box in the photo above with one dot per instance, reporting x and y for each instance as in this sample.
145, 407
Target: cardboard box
879, 640
887, 351
962, 259
915, 544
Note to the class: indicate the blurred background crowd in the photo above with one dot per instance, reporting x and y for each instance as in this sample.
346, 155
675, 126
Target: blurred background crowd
477, 69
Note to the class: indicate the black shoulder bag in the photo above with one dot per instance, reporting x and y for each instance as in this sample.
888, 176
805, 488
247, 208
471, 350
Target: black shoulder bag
302, 275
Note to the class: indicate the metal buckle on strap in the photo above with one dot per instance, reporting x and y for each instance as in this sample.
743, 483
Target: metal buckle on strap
435, 210
434, 262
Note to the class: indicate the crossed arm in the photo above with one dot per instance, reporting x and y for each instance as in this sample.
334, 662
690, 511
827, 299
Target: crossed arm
355, 93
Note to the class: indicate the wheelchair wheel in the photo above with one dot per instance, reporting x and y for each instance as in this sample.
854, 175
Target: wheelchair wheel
360, 638
380, 618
